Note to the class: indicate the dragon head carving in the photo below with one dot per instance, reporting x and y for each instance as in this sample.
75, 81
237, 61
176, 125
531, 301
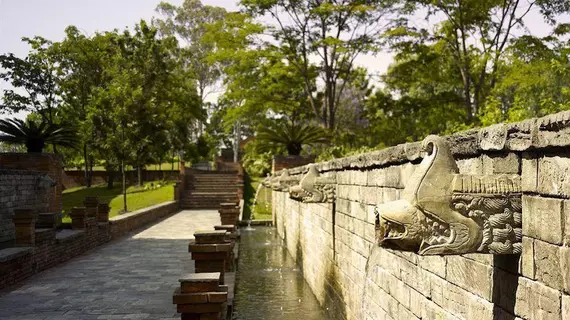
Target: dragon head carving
314, 188
283, 182
444, 212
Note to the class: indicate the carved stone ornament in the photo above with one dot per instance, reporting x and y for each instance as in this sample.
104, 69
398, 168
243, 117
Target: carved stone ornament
267, 181
444, 212
283, 182
314, 188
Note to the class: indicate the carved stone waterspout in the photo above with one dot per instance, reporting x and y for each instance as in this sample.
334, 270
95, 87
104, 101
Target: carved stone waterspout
283, 182
444, 212
314, 188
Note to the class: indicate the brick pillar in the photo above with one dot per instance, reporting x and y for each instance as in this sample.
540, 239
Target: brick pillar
232, 235
78, 218
201, 297
91, 206
25, 224
229, 213
103, 212
210, 251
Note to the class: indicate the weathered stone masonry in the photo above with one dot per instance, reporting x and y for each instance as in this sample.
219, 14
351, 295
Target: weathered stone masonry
336, 243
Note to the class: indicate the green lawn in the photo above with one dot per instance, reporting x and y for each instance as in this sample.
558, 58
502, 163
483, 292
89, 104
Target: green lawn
262, 210
150, 167
150, 194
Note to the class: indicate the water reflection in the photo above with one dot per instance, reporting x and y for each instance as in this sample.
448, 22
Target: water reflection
269, 283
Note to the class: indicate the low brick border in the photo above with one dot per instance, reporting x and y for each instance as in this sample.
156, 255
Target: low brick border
51, 248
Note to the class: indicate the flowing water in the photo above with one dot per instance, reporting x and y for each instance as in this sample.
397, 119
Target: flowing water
256, 195
269, 284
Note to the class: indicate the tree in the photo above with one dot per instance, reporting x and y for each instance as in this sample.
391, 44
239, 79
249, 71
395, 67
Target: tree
189, 22
474, 35
293, 136
533, 80
334, 33
80, 66
35, 136
36, 76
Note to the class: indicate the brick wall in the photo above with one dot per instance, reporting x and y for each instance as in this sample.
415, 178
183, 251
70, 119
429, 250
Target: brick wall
284, 162
348, 271
122, 224
76, 178
53, 247
47, 163
18, 188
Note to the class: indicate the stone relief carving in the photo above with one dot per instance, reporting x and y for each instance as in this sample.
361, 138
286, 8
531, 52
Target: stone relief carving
283, 182
444, 212
314, 188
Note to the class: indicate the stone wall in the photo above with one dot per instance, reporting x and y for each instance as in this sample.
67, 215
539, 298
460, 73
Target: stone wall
53, 246
18, 188
335, 242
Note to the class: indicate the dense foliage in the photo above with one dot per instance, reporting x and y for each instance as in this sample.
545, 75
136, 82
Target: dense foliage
290, 78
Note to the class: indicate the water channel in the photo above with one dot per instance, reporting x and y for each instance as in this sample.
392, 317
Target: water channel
269, 284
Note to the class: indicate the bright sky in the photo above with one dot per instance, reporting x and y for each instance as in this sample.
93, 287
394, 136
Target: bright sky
27, 18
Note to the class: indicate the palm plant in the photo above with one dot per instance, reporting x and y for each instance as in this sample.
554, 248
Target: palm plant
291, 135
36, 135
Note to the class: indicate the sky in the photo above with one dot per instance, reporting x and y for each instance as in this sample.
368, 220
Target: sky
49, 18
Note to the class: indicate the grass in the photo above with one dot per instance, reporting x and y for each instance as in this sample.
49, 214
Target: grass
262, 210
151, 193
150, 167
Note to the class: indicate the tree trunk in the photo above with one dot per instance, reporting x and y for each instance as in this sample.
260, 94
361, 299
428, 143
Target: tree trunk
90, 173
139, 175
110, 176
124, 186
87, 180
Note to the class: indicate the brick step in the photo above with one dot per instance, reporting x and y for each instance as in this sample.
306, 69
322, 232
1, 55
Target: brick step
214, 181
233, 184
210, 207
214, 185
205, 197
194, 197
209, 201
207, 193
212, 190
214, 177
216, 201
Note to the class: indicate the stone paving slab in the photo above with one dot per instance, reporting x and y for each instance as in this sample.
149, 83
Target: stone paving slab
132, 278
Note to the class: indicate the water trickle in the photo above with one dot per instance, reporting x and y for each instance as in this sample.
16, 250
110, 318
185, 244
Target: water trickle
248, 228
269, 284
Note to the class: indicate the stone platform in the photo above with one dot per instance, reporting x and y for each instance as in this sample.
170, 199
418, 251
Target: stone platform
131, 278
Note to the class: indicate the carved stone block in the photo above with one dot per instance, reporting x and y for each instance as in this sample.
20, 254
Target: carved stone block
314, 188
444, 212
283, 182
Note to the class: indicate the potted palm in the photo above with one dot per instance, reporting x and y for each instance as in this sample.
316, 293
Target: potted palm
36, 135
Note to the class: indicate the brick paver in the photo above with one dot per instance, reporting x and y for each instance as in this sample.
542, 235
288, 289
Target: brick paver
132, 278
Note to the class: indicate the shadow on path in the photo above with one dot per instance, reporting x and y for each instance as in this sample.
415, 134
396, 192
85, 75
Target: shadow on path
132, 278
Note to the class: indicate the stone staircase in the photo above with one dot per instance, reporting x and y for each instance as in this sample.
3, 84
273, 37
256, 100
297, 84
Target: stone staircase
207, 189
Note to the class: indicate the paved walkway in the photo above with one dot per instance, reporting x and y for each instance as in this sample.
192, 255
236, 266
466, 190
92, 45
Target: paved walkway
132, 278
